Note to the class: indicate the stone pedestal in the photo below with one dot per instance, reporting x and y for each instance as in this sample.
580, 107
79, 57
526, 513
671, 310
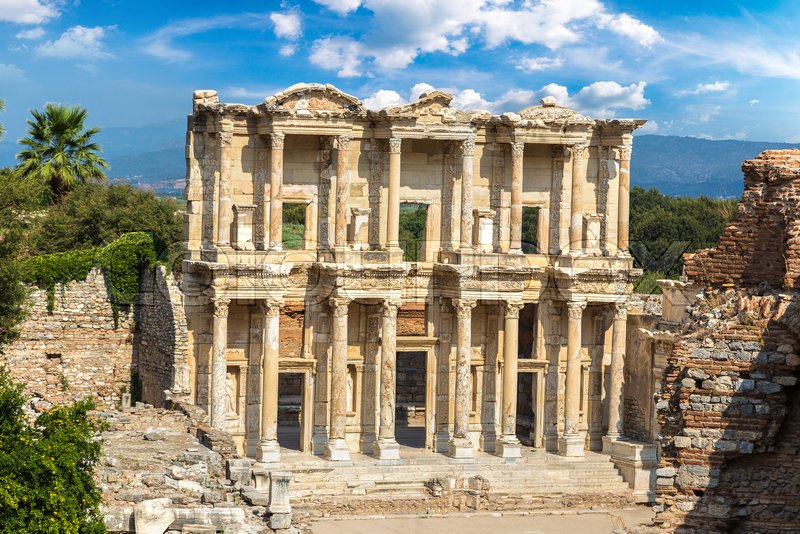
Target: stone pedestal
336, 450
460, 448
508, 447
386, 449
572, 445
268, 452
483, 231
637, 463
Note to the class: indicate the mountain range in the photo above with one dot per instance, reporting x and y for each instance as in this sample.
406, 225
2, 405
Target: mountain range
153, 157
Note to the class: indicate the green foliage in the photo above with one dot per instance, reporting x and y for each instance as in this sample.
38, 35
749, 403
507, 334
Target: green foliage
662, 227
412, 230
646, 284
530, 227
46, 467
59, 151
121, 261
294, 223
18, 199
294, 213
93, 215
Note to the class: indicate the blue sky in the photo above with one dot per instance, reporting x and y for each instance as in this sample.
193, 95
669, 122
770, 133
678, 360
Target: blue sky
712, 68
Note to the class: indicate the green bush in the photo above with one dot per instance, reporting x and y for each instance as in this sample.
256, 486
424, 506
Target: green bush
46, 467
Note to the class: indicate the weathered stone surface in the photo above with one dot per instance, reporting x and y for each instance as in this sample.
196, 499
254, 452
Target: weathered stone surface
153, 516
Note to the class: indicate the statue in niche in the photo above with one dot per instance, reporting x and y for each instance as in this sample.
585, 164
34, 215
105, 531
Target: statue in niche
349, 392
231, 397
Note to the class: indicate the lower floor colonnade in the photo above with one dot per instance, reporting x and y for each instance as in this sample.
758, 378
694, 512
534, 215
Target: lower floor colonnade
464, 374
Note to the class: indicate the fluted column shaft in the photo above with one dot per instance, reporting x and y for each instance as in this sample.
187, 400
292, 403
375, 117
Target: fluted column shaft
510, 361
276, 191
617, 371
342, 190
572, 402
517, 152
576, 202
468, 150
219, 363
393, 209
623, 201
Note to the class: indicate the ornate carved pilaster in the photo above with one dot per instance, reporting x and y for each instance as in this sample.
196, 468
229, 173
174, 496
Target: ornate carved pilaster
376, 167
461, 445
342, 189
467, 163
517, 152
448, 195
558, 202
225, 213
276, 191
326, 195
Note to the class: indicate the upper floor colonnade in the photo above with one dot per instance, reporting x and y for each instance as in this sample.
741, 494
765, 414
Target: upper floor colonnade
353, 169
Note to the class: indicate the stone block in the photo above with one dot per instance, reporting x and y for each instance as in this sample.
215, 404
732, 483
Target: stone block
239, 470
768, 388
665, 472
683, 442
279, 492
279, 521
153, 516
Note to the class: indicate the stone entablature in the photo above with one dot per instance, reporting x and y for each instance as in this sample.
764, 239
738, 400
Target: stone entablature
493, 303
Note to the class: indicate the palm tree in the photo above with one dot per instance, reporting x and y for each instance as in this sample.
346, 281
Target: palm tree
58, 151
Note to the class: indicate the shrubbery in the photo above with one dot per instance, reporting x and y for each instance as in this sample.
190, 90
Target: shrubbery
46, 467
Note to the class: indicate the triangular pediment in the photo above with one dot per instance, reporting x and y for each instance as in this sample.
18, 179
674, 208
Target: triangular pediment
549, 112
314, 97
433, 106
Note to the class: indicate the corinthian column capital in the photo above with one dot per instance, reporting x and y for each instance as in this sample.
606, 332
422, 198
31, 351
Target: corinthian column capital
395, 145
517, 149
221, 307
339, 306
271, 308
464, 306
342, 142
620, 310
625, 152
468, 146
575, 308
513, 307
276, 140
578, 150
390, 308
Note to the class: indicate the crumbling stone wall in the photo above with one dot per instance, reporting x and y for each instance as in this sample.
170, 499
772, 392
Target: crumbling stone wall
728, 408
76, 351
161, 339
762, 243
411, 320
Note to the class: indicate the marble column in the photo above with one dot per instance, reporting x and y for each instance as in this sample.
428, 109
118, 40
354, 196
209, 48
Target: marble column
468, 156
219, 363
576, 220
393, 209
517, 151
623, 201
342, 190
616, 392
336, 448
572, 442
268, 449
276, 191
225, 206
508, 445
460, 445
386, 447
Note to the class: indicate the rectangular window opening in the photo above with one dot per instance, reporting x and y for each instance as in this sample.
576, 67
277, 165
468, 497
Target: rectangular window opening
413, 217
294, 225
530, 229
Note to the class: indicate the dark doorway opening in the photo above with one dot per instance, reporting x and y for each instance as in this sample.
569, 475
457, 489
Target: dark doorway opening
526, 418
410, 398
290, 409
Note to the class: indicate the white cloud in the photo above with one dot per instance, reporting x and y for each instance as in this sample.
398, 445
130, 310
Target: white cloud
604, 98
627, 26
531, 64
160, 44
343, 7
33, 33
470, 99
287, 25
419, 89
753, 102
383, 98
11, 73
337, 53
713, 87
514, 100
747, 55
559, 92
27, 11
709, 114
288, 50
77, 42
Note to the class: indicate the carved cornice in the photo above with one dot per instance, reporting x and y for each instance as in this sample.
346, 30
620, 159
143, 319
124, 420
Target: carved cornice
221, 305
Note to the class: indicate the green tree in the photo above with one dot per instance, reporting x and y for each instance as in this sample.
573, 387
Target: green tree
46, 467
59, 151
96, 214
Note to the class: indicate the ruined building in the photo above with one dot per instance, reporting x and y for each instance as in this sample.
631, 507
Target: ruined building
505, 323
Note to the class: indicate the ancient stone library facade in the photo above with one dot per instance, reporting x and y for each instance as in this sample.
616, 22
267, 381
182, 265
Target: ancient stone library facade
505, 324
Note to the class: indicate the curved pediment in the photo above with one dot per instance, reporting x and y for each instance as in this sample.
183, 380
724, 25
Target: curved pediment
313, 98
548, 111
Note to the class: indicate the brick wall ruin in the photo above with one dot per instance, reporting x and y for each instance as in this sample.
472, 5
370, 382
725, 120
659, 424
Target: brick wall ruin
728, 408
76, 351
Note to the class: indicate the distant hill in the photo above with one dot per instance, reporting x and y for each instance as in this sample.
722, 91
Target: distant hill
153, 157
693, 167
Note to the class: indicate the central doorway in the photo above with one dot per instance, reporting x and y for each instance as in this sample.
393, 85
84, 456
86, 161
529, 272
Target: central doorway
526, 415
290, 409
410, 399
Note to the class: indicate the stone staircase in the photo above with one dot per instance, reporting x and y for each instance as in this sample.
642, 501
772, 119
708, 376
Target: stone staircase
537, 473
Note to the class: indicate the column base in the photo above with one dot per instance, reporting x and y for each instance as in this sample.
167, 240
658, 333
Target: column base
336, 450
268, 451
441, 440
608, 443
572, 445
508, 447
460, 448
386, 449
